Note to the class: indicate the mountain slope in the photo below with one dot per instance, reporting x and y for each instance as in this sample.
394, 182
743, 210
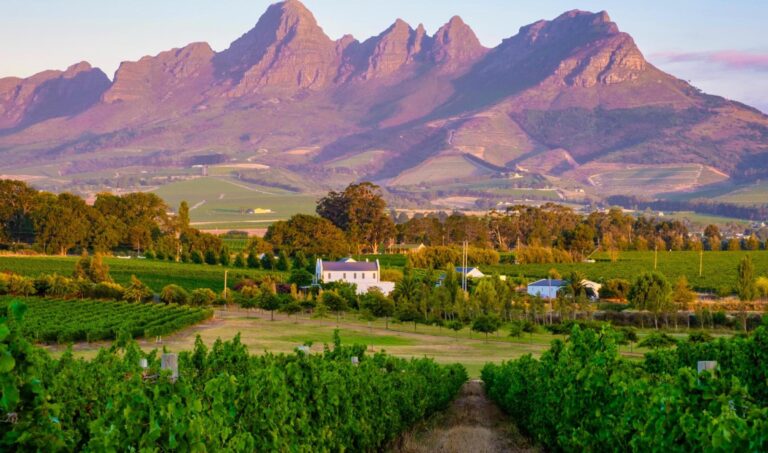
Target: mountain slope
287, 96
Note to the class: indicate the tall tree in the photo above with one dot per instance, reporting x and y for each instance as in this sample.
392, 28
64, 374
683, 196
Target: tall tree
62, 224
651, 291
361, 212
746, 286
308, 234
17, 201
683, 297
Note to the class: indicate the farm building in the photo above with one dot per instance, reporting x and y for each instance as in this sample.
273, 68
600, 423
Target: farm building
547, 288
472, 272
405, 249
364, 274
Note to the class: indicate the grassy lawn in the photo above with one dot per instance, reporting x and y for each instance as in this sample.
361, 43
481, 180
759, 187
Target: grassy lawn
284, 334
155, 274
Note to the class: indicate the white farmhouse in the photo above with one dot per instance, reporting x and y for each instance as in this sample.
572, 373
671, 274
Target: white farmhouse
364, 274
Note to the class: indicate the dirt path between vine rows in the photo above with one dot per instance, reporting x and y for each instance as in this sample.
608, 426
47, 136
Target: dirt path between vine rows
473, 423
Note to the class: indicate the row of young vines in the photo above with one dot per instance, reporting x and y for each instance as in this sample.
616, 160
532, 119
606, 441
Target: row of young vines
582, 396
64, 321
224, 399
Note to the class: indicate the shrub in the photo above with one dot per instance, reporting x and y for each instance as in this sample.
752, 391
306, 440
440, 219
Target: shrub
202, 297
107, 290
197, 257
149, 254
301, 277
174, 294
240, 260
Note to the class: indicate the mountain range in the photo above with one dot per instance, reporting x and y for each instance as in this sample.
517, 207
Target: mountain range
570, 99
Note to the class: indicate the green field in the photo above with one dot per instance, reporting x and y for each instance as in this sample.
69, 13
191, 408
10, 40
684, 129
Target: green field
64, 321
702, 220
222, 202
155, 274
750, 194
719, 269
655, 179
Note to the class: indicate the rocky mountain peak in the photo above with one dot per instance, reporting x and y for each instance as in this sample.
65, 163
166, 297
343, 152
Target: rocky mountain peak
286, 49
456, 41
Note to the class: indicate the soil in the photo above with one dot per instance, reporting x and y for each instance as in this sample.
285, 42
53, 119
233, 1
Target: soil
473, 423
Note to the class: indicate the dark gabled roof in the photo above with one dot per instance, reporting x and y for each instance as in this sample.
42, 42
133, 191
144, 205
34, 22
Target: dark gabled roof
469, 269
547, 282
352, 267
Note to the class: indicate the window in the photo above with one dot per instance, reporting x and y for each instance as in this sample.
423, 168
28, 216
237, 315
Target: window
344, 275
354, 276
362, 276
329, 275
374, 275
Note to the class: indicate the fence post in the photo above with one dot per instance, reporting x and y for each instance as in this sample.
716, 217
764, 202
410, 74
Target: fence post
170, 362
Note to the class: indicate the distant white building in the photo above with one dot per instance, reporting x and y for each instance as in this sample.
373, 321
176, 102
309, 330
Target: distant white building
364, 274
472, 272
547, 288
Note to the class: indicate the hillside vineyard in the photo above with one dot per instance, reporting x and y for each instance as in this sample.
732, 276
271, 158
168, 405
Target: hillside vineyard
568, 96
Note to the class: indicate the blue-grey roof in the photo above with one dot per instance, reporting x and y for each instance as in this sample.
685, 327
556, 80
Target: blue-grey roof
469, 269
547, 282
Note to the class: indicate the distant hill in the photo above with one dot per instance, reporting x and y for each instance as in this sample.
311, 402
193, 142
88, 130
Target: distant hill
571, 98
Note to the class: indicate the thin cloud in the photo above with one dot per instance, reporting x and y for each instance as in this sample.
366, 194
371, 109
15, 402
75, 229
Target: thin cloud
729, 59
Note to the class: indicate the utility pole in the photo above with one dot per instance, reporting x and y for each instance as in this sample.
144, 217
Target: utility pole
701, 261
464, 262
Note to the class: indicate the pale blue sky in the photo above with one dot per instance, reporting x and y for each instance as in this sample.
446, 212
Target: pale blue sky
721, 46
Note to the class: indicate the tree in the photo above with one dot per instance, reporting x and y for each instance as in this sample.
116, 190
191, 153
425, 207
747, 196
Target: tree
651, 291
183, 217
137, 291
224, 256
300, 260
615, 287
456, 325
253, 261
486, 323
361, 212
268, 300
268, 261
240, 260
283, 263
378, 305
714, 237
301, 277
17, 201
747, 288
197, 257
211, 258
334, 302
62, 224
310, 235
683, 297
746, 282
174, 294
